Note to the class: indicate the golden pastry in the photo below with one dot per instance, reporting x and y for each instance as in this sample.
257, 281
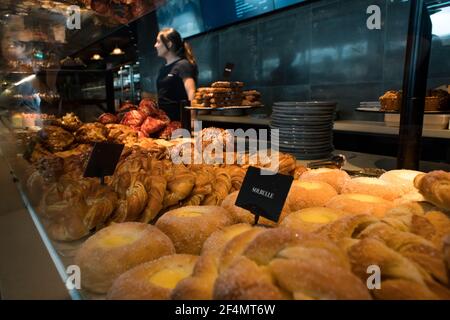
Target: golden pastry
200, 285
116, 249
307, 194
189, 227
435, 187
360, 204
153, 280
373, 186
334, 177
311, 219
241, 215
284, 264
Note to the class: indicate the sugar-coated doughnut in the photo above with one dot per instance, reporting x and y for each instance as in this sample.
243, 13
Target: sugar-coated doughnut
190, 226
373, 186
403, 179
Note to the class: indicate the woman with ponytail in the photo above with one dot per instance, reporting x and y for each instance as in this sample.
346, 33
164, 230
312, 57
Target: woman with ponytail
177, 78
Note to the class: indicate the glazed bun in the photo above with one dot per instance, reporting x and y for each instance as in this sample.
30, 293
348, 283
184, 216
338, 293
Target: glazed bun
334, 177
402, 179
360, 204
116, 249
372, 186
190, 226
240, 215
307, 194
311, 219
153, 280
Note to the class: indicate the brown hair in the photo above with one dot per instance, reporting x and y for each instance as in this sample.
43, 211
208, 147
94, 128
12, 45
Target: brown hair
180, 47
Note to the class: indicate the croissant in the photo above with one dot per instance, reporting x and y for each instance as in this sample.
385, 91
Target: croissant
130, 208
179, 186
155, 194
73, 208
221, 188
237, 175
101, 205
68, 224
435, 187
204, 178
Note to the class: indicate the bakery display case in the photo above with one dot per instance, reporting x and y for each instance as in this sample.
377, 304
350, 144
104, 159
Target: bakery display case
171, 221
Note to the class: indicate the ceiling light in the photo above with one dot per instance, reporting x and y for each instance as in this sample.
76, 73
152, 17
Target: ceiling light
117, 52
96, 57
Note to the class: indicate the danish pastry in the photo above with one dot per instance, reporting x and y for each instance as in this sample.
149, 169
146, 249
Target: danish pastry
116, 249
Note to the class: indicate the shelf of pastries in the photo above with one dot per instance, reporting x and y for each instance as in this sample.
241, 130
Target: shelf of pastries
165, 229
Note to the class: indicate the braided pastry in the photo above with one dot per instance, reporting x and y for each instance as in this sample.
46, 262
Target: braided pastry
221, 188
200, 285
179, 185
283, 264
204, 179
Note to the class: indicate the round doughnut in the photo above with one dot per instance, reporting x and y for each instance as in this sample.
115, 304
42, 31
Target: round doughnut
239, 214
311, 219
402, 179
373, 186
334, 177
360, 204
116, 249
153, 280
307, 194
190, 226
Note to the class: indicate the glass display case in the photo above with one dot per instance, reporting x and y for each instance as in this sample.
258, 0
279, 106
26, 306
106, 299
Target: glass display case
51, 119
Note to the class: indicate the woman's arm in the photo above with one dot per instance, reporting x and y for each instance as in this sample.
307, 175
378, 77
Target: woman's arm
189, 86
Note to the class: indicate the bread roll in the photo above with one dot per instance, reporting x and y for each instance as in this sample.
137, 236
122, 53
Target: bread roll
116, 249
307, 194
311, 219
189, 227
402, 179
153, 280
334, 177
435, 187
284, 264
372, 186
360, 204
240, 215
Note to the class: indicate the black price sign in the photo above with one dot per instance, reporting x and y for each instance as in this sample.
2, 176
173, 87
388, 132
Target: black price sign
103, 160
264, 194
227, 71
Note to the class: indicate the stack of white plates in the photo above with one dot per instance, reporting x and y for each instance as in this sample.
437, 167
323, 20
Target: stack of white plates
305, 129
